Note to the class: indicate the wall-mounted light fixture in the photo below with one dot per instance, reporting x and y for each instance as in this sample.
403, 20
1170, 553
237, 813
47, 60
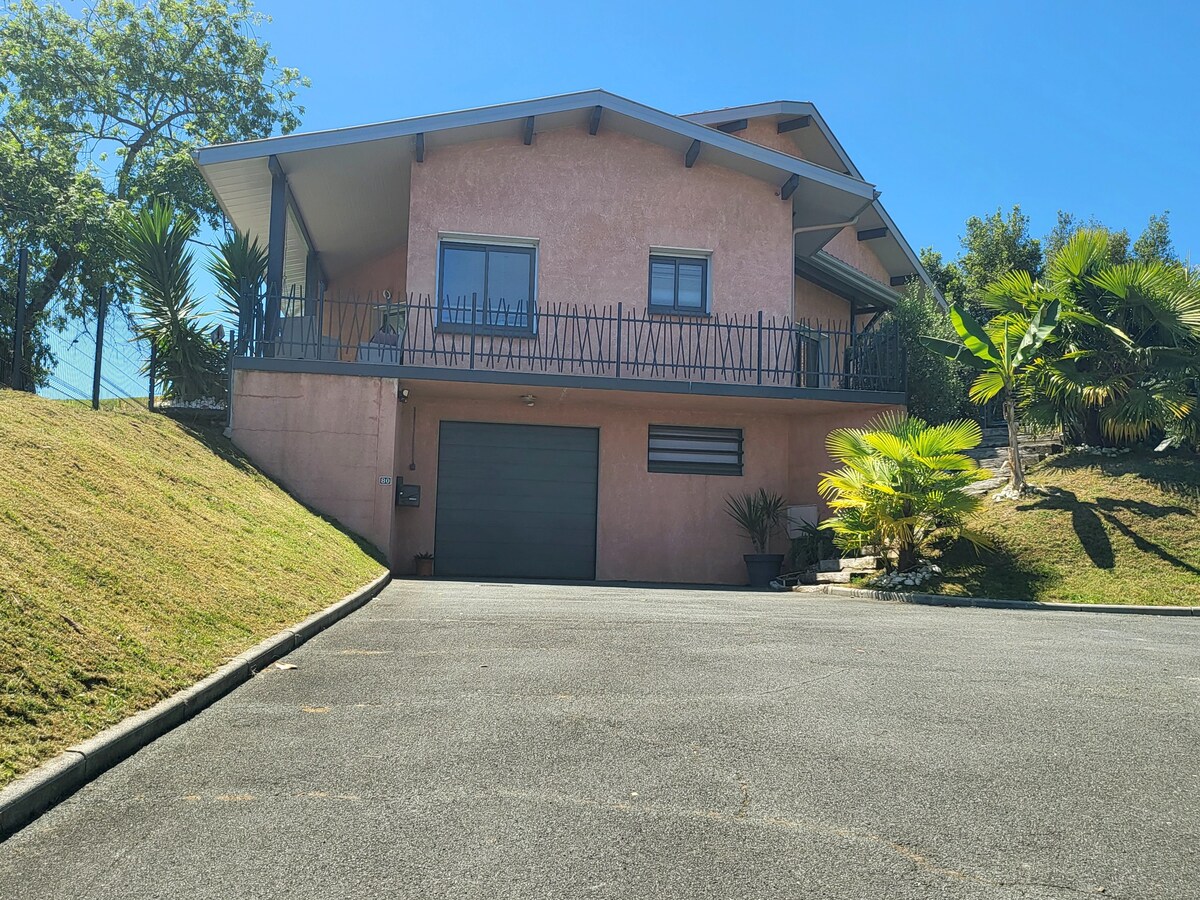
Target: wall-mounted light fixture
528, 399
404, 395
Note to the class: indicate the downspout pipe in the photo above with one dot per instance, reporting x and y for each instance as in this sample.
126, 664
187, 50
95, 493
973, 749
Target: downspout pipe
838, 225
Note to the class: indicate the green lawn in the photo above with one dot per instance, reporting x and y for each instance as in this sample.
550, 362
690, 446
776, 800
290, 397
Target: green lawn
138, 554
1124, 529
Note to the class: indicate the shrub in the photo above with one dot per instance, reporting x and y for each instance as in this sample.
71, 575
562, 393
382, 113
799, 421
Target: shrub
757, 516
901, 486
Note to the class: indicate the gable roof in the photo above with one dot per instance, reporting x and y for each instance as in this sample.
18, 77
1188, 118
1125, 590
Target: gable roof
350, 185
818, 143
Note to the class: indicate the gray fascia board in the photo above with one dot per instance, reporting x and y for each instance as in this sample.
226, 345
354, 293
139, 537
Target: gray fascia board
577, 382
294, 143
791, 108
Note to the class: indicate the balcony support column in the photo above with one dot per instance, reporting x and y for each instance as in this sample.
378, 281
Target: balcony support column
276, 245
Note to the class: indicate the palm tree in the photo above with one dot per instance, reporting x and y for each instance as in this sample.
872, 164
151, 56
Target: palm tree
1000, 352
901, 486
155, 244
1128, 355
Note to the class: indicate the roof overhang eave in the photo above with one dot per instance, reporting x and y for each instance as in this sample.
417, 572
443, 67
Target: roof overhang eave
782, 163
829, 272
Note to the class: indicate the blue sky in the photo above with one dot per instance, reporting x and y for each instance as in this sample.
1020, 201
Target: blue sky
952, 109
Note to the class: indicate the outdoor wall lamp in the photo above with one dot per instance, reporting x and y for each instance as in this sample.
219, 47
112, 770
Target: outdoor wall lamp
528, 399
404, 395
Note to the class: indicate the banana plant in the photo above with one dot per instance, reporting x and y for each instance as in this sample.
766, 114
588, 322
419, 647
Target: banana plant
1000, 357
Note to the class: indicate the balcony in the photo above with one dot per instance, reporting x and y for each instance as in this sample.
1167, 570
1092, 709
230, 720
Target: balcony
571, 344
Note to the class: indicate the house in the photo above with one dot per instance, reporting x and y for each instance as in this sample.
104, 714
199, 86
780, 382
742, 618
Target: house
547, 339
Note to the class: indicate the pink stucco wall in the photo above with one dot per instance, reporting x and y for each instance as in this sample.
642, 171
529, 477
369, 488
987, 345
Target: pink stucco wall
765, 133
597, 205
650, 526
329, 438
849, 249
326, 438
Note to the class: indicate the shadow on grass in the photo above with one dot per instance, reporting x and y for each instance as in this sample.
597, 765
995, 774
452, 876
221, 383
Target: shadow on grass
999, 573
1176, 472
1089, 518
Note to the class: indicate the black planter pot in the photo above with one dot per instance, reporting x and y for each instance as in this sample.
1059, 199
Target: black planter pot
762, 567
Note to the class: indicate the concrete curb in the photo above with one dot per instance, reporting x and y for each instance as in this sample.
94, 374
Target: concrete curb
32, 794
988, 603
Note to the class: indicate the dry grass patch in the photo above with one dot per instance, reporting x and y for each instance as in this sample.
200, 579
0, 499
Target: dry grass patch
137, 554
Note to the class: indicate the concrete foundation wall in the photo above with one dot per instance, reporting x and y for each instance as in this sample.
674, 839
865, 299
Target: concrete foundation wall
327, 439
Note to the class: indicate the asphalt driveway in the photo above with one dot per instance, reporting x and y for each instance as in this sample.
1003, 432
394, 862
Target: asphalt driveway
459, 740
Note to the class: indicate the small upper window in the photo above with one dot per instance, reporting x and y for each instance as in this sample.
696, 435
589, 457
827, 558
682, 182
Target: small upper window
489, 285
679, 284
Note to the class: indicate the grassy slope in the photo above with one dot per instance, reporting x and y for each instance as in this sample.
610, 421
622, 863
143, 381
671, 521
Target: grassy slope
136, 555
1110, 530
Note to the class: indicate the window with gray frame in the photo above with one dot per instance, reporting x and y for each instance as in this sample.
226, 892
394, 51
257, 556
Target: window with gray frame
678, 284
689, 450
485, 285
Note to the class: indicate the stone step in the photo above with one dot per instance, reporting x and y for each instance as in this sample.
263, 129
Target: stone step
979, 488
998, 437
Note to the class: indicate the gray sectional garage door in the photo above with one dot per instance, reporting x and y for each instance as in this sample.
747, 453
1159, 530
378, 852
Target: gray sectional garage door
516, 501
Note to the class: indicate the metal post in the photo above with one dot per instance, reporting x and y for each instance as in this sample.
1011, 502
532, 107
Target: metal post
229, 395
620, 316
760, 355
153, 374
320, 318
101, 315
18, 374
474, 299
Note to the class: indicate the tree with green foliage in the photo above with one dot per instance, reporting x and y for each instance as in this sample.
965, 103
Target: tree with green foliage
1155, 242
992, 246
189, 361
1067, 225
902, 485
937, 386
1127, 361
100, 111
1001, 353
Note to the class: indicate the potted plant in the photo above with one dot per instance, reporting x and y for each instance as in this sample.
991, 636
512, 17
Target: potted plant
424, 565
758, 516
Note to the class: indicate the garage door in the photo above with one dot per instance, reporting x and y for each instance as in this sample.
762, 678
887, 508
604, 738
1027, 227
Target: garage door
516, 501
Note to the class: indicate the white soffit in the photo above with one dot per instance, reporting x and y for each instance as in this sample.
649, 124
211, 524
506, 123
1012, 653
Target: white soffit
352, 185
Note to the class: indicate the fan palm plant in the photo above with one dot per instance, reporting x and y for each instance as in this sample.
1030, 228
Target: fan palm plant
1128, 356
901, 486
1000, 353
240, 269
155, 244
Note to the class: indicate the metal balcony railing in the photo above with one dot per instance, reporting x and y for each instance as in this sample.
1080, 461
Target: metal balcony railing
573, 339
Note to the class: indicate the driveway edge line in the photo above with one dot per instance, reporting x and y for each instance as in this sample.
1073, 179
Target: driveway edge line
56, 779
989, 603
